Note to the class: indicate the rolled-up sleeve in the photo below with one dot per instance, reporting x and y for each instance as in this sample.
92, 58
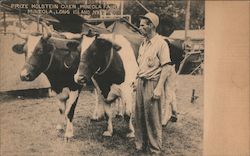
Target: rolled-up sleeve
164, 54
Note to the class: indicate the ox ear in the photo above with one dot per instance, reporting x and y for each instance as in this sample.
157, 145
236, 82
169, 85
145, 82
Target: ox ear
18, 48
72, 45
116, 46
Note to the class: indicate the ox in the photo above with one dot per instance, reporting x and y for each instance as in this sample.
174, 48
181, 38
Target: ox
58, 59
109, 60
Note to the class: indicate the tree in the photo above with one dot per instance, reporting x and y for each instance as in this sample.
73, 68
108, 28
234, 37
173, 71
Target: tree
171, 13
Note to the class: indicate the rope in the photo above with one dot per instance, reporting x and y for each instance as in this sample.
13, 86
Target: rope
109, 63
110, 58
50, 61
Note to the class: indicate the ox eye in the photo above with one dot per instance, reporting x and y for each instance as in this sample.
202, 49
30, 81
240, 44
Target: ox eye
39, 51
94, 53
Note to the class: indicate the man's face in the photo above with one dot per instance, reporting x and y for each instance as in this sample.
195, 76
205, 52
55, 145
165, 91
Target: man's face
145, 27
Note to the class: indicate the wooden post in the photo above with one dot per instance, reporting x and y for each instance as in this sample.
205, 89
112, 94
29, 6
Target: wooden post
187, 19
4, 22
20, 24
193, 96
38, 18
122, 8
142, 6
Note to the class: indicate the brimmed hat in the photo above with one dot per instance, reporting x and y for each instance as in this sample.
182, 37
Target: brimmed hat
152, 17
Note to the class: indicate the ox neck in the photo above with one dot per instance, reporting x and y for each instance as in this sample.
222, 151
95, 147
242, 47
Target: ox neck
111, 56
50, 60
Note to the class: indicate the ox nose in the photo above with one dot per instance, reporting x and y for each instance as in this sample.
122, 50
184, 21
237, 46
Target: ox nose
25, 75
82, 80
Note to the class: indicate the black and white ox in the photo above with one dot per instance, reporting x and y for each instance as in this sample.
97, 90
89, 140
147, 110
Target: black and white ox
58, 59
109, 61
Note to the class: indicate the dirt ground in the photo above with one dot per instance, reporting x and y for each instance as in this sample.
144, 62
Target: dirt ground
28, 127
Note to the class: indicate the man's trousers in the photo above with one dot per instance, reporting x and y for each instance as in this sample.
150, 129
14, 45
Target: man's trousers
148, 126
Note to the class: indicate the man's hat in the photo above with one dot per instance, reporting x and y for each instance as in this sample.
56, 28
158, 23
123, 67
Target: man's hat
152, 17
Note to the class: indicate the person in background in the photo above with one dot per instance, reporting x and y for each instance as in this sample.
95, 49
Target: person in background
168, 101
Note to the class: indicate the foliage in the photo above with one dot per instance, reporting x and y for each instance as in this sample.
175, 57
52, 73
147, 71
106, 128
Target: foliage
171, 13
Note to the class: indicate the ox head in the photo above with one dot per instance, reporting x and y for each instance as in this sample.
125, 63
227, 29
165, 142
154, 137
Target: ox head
95, 55
37, 50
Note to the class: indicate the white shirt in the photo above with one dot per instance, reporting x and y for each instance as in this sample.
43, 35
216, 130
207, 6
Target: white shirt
153, 54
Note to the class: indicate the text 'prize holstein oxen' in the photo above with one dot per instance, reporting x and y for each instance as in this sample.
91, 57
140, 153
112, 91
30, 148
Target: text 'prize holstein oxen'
58, 59
109, 60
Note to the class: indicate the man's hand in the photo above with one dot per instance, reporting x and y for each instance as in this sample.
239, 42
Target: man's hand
157, 93
134, 84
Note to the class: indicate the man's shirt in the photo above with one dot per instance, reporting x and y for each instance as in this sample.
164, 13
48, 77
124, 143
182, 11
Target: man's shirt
153, 54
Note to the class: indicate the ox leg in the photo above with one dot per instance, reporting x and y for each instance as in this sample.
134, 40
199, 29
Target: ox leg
166, 111
98, 113
129, 101
165, 104
60, 125
172, 83
108, 111
120, 109
174, 107
131, 134
62, 97
69, 113
169, 103
114, 97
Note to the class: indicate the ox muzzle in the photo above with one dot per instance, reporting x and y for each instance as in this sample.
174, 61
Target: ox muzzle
27, 74
80, 79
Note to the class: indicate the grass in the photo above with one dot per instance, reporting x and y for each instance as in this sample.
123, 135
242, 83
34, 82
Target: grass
28, 127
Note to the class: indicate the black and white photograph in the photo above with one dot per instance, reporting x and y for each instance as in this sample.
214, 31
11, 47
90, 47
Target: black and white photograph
102, 77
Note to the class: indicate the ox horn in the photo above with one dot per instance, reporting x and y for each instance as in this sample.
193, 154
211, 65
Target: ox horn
48, 31
47, 36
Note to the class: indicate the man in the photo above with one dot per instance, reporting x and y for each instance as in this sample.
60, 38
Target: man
153, 61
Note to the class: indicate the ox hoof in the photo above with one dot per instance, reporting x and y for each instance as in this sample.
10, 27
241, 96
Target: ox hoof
97, 119
67, 139
130, 135
165, 124
59, 128
68, 135
107, 134
118, 116
173, 118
